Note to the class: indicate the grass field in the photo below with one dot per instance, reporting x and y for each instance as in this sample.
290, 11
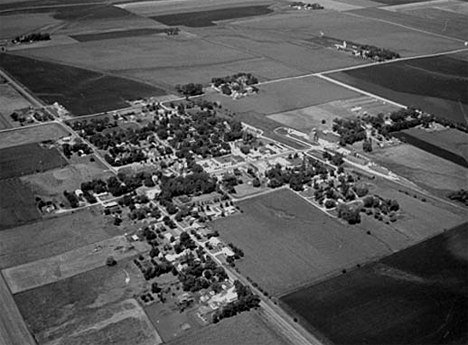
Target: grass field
245, 328
416, 296
51, 184
413, 83
22, 136
13, 330
95, 307
54, 236
10, 100
90, 92
426, 170
288, 243
207, 18
69, 264
451, 140
28, 159
17, 204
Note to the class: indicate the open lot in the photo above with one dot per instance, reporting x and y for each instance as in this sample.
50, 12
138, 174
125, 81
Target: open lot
35, 134
416, 296
448, 143
288, 243
28, 159
436, 84
245, 328
17, 204
10, 100
90, 308
90, 92
426, 170
54, 236
13, 330
71, 263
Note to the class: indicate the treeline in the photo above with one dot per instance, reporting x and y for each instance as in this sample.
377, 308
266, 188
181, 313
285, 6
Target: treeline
460, 196
376, 53
190, 89
241, 77
34, 37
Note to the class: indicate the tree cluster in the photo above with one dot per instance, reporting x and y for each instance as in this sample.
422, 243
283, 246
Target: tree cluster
376, 53
349, 212
201, 275
68, 149
238, 78
191, 184
350, 130
34, 37
460, 196
190, 89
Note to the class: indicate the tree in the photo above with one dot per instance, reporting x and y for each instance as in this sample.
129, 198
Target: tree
256, 182
110, 261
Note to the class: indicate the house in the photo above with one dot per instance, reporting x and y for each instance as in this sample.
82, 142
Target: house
213, 241
79, 193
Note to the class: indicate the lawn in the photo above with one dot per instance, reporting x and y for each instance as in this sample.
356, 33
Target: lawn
288, 243
245, 328
90, 92
29, 159
53, 236
416, 296
30, 135
437, 84
17, 204
90, 308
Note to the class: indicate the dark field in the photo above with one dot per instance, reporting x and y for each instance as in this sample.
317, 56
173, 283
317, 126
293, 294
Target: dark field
207, 18
78, 90
437, 85
416, 296
428, 147
27, 159
116, 34
17, 204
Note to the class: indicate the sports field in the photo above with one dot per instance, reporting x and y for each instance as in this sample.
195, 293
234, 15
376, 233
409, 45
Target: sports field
416, 296
17, 204
90, 92
54, 236
437, 85
288, 243
35, 134
90, 308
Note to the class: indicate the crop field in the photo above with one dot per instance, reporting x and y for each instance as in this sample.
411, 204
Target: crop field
416, 296
36, 134
300, 244
90, 92
245, 328
207, 18
71, 263
413, 83
53, 236
312, 117
449, 140
13, 330
14, 25
426, 170
17, 204
116, 34
28, 159
51, 184
102, 305
286, 95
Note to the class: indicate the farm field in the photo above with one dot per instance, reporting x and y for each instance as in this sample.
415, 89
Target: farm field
416, 296
14, 25
116, 34
286, 95
69, 264
245, 328
53, 236
426, 170
28, 159
52, 183
299, 244
412, 83
17, 204
13, 330
29, 135
308, 118
91, 92
207, 18
89, 308
449, 143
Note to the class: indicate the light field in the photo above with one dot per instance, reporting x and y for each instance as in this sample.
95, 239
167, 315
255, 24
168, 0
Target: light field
30, 135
